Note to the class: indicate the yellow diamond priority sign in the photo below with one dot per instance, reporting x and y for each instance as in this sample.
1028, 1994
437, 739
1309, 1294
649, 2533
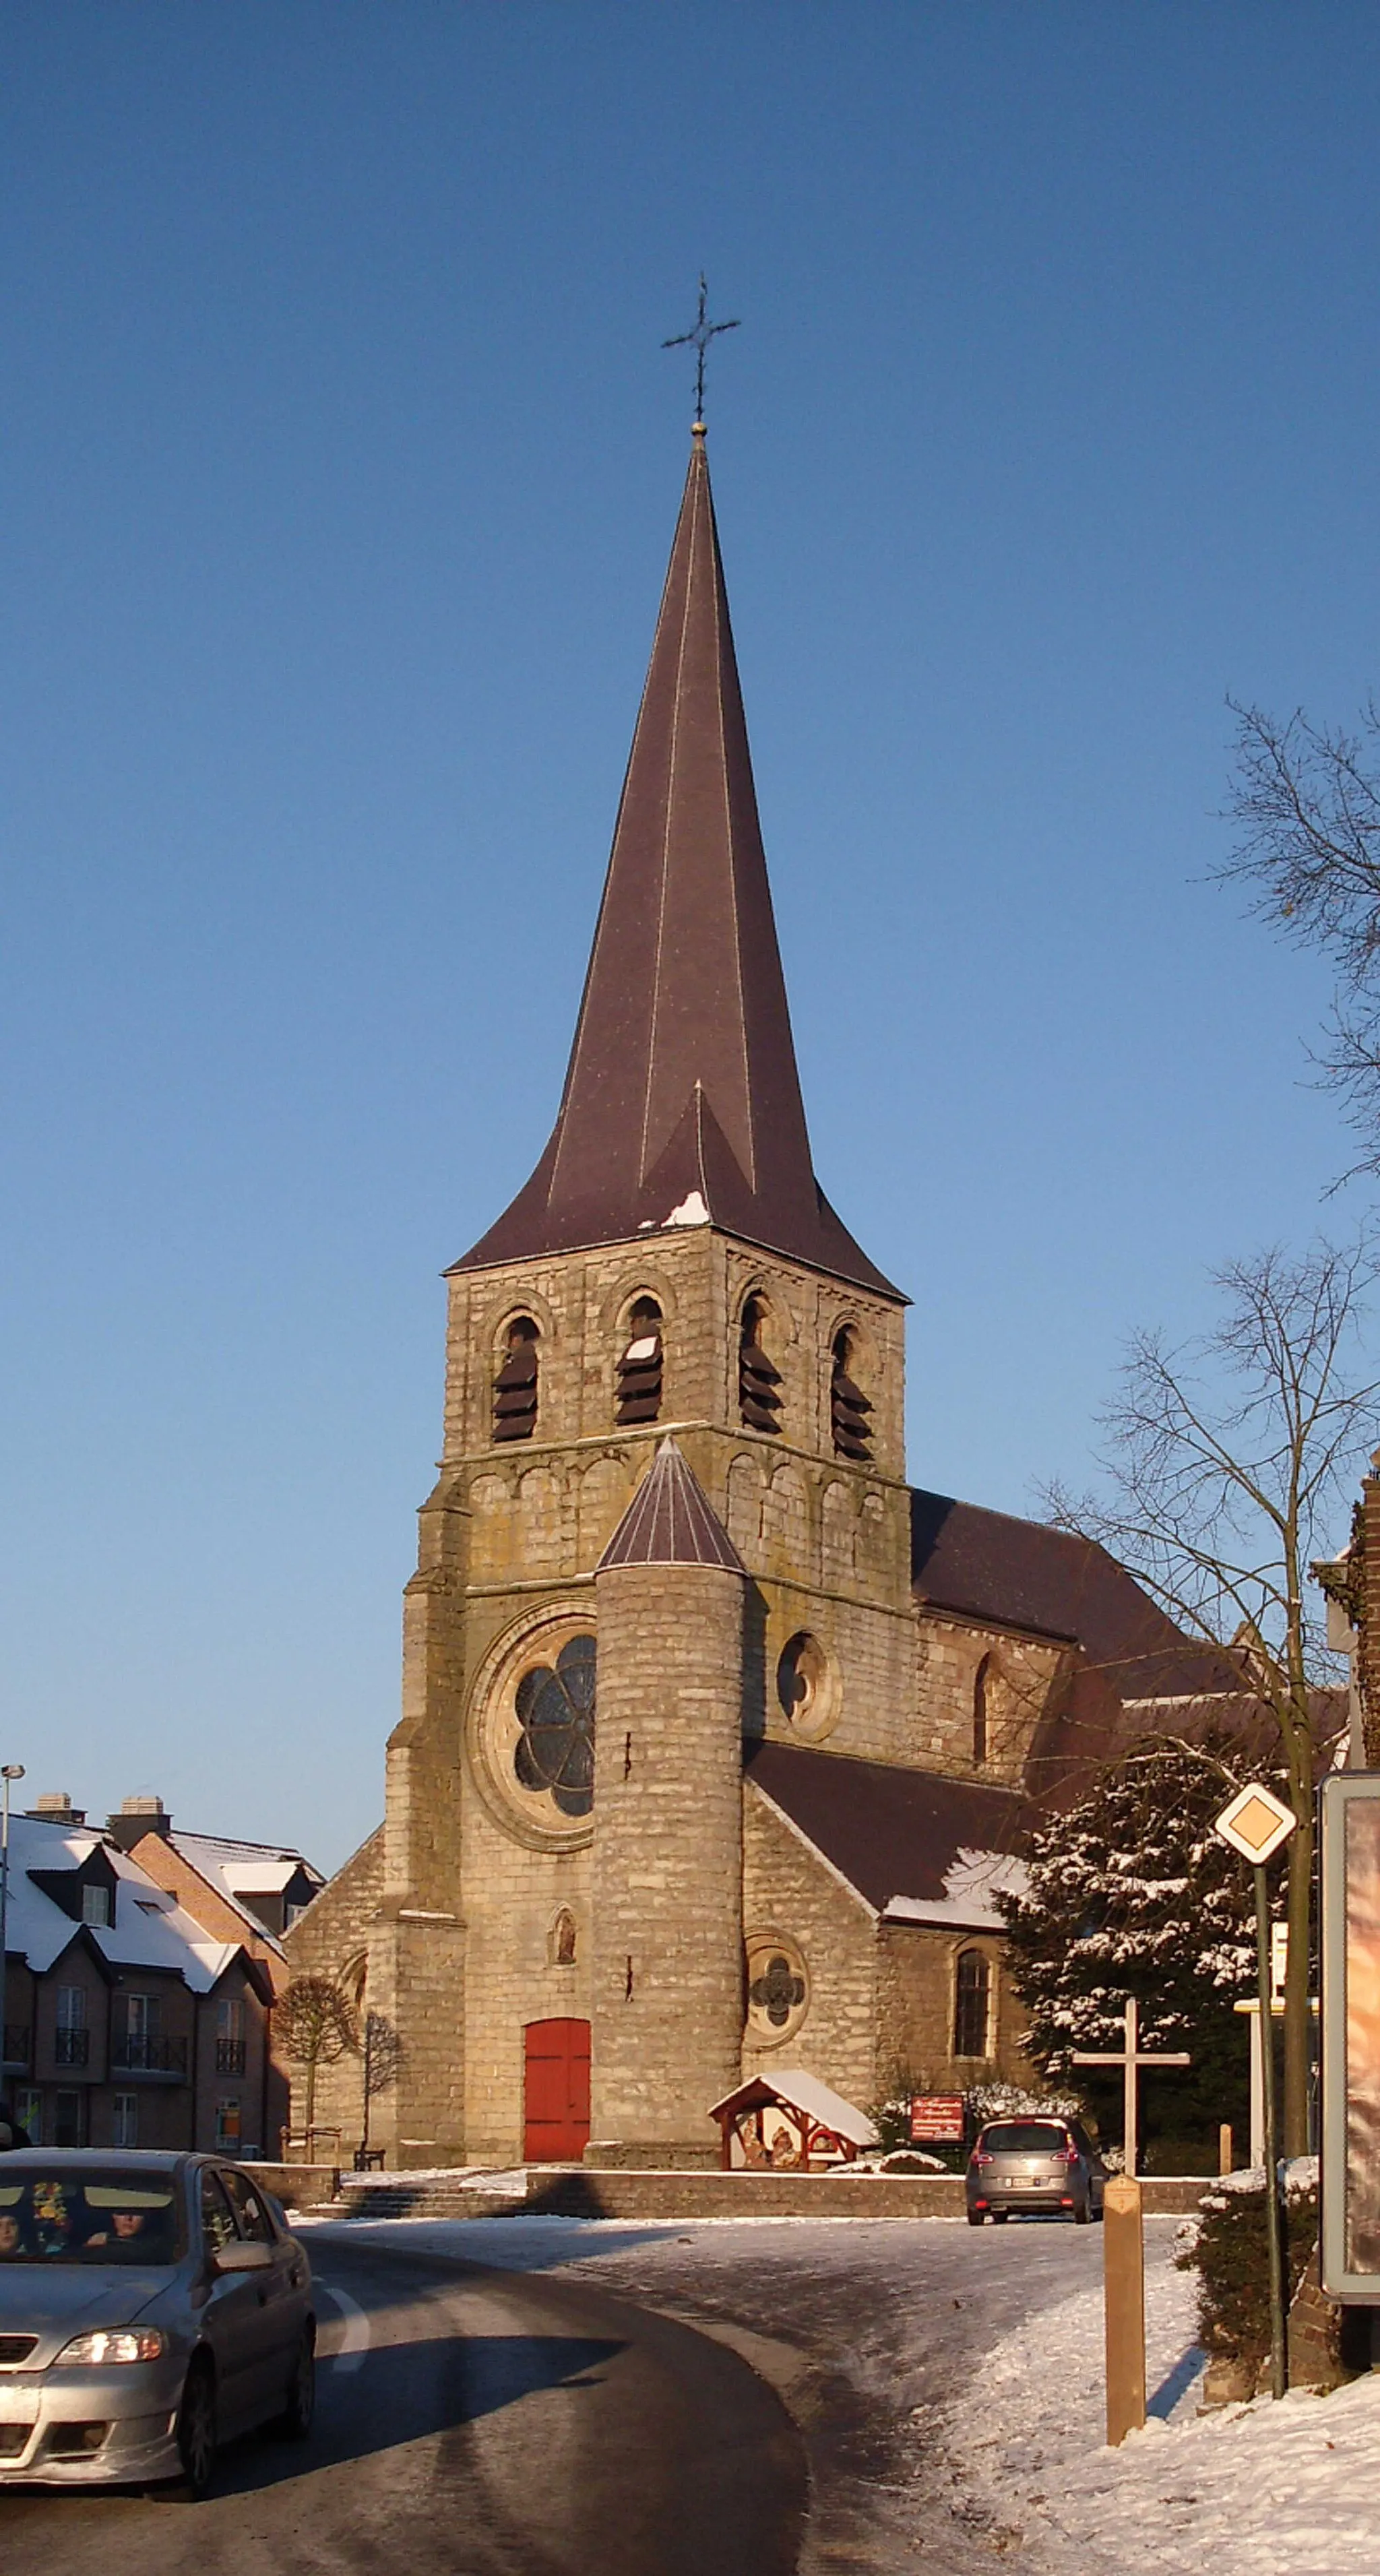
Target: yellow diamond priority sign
1255, 1822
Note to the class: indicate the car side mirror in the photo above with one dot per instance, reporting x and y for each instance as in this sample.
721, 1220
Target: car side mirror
242, 2258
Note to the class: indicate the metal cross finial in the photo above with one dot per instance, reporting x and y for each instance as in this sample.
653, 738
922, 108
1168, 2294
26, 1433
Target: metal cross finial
698, 340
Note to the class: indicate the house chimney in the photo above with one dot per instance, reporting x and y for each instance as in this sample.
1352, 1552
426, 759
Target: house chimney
55, 1808
137, 1817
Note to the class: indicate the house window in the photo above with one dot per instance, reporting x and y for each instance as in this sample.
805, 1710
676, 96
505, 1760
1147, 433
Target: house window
228, 2126
95, 1906
980, 1682
515, 1387
758, 1377
229, 2036
639, 1369
848, 1406
972, 2003
125, 2126
67, 2120
143, 2016
28, 2111
71, 2040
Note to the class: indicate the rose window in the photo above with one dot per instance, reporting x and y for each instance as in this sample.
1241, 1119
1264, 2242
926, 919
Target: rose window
555, 1710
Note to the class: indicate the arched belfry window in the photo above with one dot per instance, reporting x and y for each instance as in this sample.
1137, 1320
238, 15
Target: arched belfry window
758, 1377
980, 1684
640, 1366
972, 2003
515, 1387
848, 1406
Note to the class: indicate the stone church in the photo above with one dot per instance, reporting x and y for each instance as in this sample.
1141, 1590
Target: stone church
718, 1738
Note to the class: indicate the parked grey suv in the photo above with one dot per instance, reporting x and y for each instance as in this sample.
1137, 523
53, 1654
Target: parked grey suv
1034, 2164
151, 2306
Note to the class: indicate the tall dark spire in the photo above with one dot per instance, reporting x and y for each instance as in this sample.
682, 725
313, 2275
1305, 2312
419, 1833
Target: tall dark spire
682, 1100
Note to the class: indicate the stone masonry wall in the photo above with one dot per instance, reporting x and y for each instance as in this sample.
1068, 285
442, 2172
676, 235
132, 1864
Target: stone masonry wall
790, 1891
666, 2004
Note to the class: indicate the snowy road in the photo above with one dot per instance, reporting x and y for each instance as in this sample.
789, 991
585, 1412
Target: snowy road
868, 2330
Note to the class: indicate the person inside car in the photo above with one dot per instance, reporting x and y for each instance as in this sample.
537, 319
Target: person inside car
11, 2134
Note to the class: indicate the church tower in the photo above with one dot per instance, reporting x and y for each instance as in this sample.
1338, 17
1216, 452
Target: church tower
670, 1309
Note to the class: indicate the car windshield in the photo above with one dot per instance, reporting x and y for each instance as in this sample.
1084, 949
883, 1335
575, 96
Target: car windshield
101, 2216
1024, 2138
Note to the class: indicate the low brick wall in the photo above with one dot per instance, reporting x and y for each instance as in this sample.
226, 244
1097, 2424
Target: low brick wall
298, 2186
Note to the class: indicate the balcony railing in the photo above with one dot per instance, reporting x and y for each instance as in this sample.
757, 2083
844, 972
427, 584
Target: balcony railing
141, 2052
16, 2051
71, 2047
229, 2057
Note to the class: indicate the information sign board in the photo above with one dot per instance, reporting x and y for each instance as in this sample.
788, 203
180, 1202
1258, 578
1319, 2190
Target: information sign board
936, 2119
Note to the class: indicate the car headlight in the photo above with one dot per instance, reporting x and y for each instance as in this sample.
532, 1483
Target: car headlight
121, 2343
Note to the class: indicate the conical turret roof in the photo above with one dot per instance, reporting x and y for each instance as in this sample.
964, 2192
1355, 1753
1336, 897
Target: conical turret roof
671, 1521
682, 1101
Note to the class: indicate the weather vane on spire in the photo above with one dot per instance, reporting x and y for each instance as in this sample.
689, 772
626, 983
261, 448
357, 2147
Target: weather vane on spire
698, 340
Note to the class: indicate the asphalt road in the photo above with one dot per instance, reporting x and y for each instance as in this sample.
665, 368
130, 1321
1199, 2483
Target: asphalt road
472, 2424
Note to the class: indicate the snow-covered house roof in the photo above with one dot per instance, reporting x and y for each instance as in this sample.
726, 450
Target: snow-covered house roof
241, 1871
49, 1864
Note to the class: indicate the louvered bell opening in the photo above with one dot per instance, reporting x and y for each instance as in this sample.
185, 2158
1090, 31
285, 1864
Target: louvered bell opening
639, 1380
515, 1394
758, 1401
849, 1409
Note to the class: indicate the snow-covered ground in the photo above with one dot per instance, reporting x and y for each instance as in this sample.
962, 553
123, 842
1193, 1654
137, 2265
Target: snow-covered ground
1249, 2490
958, 2398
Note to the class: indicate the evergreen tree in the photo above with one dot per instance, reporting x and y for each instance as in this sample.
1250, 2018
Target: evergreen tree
1132, 1893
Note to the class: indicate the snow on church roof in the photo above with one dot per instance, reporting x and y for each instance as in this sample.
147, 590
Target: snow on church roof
916, 1846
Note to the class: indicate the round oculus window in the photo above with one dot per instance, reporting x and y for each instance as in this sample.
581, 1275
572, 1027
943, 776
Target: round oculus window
778, 1986
808, 1687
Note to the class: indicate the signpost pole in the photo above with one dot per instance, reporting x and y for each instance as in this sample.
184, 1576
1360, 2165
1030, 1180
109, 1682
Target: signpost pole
1273, 2226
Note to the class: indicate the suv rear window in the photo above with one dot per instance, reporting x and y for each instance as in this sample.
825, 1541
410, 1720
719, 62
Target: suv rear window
1024, 2138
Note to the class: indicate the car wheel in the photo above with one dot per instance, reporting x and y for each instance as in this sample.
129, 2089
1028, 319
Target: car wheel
295, 2422
975, 2218
196, 2430
1081, 2212
1000, 2217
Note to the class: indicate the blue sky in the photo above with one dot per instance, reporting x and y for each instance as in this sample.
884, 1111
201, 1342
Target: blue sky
340, 466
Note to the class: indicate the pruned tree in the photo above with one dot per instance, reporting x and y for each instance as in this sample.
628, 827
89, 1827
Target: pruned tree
316, 2028
1222, 1462
1306, 805
1131, 1893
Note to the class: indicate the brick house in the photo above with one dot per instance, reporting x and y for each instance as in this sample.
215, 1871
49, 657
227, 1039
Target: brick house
126, 2023
673, 1483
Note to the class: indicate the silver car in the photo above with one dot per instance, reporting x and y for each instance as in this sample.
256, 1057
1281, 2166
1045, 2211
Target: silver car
1034, 2164
151, 2306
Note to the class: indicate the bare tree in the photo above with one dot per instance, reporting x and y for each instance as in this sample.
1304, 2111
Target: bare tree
316, 2027
381, 2051
1222, 1461
1306, 804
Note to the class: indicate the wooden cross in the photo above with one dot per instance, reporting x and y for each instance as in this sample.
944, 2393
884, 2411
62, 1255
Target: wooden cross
698, 340
1130, 2059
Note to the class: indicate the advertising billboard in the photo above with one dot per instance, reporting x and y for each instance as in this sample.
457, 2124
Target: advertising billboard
1350, 1882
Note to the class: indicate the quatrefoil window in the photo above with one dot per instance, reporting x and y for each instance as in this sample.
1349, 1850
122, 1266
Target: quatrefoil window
555, 1709
777, 1991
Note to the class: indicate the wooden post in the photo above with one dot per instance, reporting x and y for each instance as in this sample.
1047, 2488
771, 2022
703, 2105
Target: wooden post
1224, 2149
1123, 2252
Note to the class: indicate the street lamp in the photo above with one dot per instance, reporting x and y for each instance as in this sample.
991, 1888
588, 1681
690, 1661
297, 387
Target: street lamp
8, 1771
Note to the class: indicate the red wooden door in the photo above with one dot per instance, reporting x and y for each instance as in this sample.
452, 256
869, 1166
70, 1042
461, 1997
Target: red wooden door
556, 2092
